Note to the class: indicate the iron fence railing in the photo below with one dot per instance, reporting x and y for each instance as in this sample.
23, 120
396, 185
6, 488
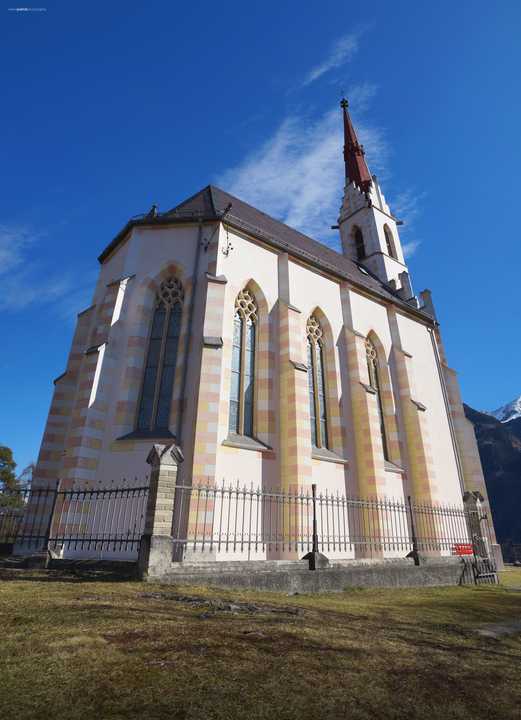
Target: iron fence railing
234, 519
241, 522
25, 516
108, 519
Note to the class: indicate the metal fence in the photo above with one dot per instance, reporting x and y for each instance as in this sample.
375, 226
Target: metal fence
247, 521
90, 521
240, 522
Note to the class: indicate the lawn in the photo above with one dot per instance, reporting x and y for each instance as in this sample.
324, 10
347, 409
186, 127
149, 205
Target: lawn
77, 647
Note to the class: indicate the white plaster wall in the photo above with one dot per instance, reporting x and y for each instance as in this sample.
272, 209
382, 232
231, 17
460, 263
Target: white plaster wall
247, 262
309, 290
112, 269
416, 340
371, 222
329, 476
247, 467
148, 251
369, 315
380, 221
330, 479
154, 248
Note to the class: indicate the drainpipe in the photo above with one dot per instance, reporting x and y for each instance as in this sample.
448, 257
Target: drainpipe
179, 428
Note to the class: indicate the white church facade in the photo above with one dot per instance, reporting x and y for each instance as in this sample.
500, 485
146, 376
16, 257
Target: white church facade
268, 358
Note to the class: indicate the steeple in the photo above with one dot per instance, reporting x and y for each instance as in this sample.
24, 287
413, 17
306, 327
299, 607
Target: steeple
354, 155
368, 229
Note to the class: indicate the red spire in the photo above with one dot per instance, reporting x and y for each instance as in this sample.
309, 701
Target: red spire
356, 166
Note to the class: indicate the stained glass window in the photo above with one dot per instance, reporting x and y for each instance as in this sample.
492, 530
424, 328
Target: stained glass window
374, 381
242, 392
317, 384
158, 381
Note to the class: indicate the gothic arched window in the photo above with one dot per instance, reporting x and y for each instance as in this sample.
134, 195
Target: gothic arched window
158, 382
359, 243
243, 365
317, 384
374, 381
389, 241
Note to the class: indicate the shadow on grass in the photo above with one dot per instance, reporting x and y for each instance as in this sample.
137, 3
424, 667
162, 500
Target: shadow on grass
73, 572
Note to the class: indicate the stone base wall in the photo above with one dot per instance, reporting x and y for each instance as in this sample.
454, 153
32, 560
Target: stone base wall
295, 576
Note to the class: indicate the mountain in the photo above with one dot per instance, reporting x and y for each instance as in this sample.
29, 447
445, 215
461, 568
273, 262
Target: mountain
499, 443
509, 412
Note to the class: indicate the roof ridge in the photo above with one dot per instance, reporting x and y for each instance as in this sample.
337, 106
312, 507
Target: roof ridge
192, 197
209, 204
211, 188
210, 192
261, 212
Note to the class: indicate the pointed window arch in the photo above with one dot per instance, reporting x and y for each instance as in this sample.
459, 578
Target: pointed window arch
374, 381
389, 242
317, 383
359, 243
158, 381
243, 364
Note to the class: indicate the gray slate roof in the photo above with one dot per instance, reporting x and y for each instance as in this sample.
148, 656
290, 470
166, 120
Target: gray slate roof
211, 202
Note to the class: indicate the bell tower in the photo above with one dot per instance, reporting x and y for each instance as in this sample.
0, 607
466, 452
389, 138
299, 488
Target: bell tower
368, 229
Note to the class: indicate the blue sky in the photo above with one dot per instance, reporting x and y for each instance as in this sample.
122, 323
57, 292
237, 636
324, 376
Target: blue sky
109, 107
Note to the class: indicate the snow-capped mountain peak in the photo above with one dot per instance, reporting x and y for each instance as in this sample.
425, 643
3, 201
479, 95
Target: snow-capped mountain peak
508, 412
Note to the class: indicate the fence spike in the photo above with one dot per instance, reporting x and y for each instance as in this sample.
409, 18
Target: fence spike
119, 518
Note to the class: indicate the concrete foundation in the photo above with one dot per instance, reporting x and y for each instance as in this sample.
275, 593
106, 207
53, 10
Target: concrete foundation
295, 576
155, 556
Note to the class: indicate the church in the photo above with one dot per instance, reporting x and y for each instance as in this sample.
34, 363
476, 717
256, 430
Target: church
267, 358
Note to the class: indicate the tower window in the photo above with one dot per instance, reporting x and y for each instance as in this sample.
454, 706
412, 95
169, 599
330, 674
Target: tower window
389, 241
243, 365
374, 381
317, 384
359, 243
158, 381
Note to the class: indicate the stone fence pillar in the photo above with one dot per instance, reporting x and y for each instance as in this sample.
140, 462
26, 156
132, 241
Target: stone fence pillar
156, 549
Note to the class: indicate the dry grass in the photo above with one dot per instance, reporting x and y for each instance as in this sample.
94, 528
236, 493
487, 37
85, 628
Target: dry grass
77, 648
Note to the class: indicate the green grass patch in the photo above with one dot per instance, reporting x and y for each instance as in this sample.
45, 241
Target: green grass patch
73, 647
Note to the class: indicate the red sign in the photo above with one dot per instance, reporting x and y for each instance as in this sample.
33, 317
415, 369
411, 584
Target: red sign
463, 549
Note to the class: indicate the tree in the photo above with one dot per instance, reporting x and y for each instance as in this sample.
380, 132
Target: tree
8, 480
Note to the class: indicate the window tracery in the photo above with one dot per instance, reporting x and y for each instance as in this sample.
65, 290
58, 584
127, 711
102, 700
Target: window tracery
243, 365
316, 383
374, 381
158, 380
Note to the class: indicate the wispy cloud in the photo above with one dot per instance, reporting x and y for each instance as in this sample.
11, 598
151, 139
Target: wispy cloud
14, 242
297, 175
407, 206
26, 281
409, 248
341, 52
